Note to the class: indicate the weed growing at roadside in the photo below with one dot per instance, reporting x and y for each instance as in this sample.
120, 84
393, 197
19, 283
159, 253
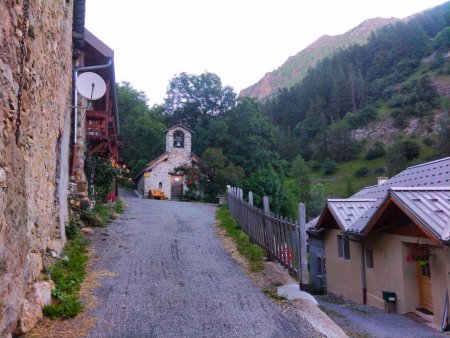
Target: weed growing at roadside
272, 293
252, 252
102, 213
68, 273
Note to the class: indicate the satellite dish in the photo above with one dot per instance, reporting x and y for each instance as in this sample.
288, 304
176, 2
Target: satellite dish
91, 86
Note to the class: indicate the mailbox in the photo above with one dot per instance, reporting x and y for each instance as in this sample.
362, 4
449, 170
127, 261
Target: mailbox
389, 296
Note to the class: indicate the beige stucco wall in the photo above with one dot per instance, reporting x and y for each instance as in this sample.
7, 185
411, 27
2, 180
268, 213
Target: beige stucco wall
33, 177
343, 276
391, 272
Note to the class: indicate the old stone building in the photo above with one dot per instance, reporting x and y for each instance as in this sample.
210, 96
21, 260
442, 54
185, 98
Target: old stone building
161, 174
43, 46
36, 55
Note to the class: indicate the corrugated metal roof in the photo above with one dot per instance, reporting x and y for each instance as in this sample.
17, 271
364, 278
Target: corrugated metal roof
431, 206
347, 211
431, 174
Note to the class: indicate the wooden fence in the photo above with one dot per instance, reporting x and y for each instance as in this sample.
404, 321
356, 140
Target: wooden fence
280, 237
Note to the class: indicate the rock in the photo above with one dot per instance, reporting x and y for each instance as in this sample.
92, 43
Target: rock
55, 245
82, 186
42, 292
35, 266
48, 262
88, 231
85, 203
29, 316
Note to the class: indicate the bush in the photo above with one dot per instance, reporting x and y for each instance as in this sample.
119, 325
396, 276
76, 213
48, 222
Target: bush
376, 151
72, 229
329, 167
362, 172
410, 149
380, 170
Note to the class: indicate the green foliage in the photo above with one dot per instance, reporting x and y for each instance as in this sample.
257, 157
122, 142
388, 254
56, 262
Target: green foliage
72, 229
444, 135
221, 172
194, 99
266, 182
318, 200
401, 152
252, 252
300, 174
101, 214
362, 117
376, 151
245, 136
102, 174
68, 275
141, 128
329, 167
362, 172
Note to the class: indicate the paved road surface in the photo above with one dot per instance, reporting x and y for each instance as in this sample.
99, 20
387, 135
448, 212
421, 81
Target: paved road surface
174, 279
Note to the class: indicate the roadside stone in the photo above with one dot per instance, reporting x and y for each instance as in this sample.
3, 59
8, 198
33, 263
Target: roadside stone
35, 266
55, 245
85, 203
88, 231
29, 316
48, 262
42, 292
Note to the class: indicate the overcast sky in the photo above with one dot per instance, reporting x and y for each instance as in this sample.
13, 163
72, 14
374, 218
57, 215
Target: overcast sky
239, 40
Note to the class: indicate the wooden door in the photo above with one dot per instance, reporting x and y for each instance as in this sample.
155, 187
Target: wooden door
424, 284
177, 187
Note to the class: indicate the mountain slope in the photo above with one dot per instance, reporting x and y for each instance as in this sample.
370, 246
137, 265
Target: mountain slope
296, 67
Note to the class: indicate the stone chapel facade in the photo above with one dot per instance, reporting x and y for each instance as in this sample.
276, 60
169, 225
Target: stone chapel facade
160, 174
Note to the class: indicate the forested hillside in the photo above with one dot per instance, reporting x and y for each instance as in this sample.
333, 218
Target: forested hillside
296, 67
364, 112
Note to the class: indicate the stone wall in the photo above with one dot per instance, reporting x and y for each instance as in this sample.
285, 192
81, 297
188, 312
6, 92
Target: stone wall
33, 173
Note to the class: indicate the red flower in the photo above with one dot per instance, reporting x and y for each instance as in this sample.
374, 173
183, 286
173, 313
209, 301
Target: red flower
189, 183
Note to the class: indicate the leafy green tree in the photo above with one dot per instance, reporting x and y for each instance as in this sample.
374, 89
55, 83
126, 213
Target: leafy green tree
318, 200
141, 128
194, 99
300, 174
245, 136
267, 182
329, 167
221, 172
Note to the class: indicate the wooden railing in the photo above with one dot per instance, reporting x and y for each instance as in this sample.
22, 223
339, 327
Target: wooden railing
284, 240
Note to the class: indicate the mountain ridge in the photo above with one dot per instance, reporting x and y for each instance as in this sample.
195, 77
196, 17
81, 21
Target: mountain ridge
296, 67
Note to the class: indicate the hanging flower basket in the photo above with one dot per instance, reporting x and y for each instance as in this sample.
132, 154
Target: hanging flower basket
420, 253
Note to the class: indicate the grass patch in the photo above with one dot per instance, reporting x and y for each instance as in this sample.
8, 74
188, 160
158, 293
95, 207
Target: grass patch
252, 252
68, 273
272, 293
102, 213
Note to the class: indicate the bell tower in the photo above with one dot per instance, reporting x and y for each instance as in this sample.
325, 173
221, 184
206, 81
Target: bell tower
179, 139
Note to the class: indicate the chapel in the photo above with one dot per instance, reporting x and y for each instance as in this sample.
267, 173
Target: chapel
160, 176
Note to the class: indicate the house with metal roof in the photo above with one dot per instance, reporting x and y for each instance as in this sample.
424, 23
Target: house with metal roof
389, 244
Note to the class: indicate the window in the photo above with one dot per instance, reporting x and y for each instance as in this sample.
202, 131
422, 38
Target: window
339, 246
160, 185
346, 247
369, 258
178, 139
343, 245
319, 266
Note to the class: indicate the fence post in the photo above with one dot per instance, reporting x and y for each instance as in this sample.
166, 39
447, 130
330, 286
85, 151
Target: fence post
266, 205
304, 283
241, 194
250, 198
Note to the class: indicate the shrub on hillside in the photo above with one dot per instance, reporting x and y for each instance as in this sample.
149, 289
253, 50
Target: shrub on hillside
329, 167
362, 172
376, 151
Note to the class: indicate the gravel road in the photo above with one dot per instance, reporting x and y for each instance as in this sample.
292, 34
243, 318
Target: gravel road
174, 279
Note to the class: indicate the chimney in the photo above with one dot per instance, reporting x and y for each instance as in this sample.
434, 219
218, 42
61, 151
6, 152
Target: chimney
382, 180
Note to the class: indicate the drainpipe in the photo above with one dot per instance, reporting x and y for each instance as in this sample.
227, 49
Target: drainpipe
363, 272
75, 107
